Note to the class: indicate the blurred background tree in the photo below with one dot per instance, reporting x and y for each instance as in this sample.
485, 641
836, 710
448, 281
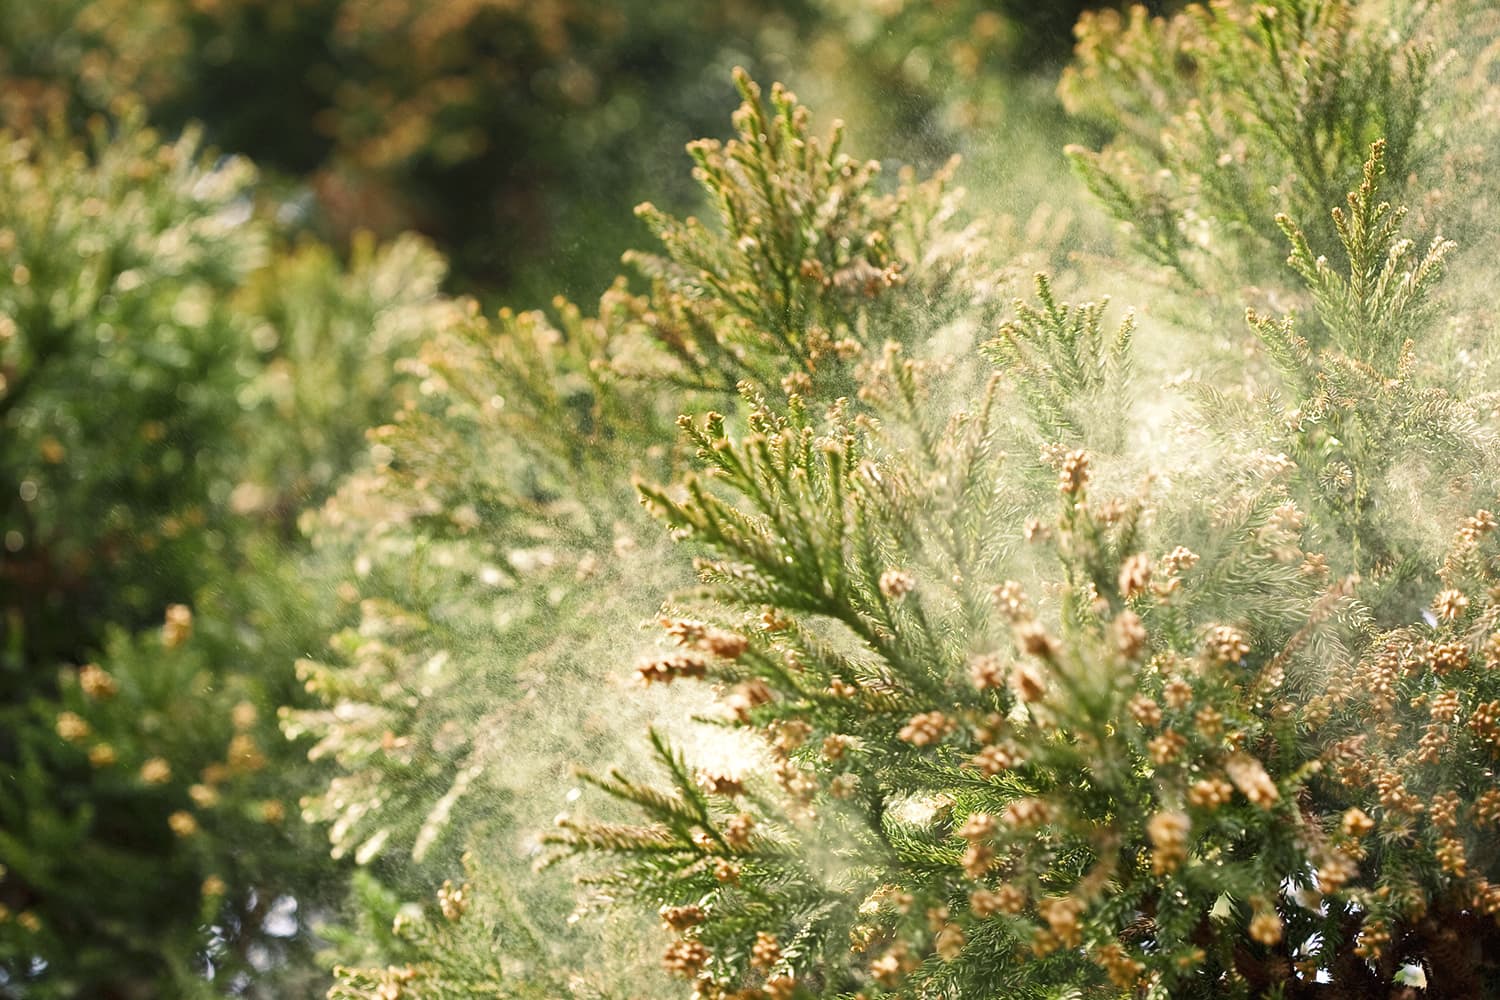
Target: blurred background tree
505, 131
174, 386
518, 135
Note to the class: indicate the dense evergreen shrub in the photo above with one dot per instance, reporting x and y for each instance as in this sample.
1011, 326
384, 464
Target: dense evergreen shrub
175, 387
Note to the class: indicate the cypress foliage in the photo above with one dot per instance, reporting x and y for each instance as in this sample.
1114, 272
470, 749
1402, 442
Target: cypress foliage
988, 638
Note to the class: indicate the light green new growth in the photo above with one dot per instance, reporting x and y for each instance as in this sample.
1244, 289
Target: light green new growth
1370, 314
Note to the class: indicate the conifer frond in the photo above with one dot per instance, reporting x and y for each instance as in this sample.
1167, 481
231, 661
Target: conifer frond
804, 249
1063, 363
1383, 301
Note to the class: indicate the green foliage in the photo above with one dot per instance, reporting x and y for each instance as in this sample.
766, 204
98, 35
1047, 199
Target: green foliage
505, 477
806, 250
1061, 363
151, 614
120, 263
1361, 418
1134, 781
1383, 302
1045, 652
474, 942
820, 520
114, 277
1229, 113
326, 334
1191, 756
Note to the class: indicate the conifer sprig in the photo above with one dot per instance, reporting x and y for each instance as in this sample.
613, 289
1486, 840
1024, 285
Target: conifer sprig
1385, 299
1063, 363
506, 474
806, 243
1223, 733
